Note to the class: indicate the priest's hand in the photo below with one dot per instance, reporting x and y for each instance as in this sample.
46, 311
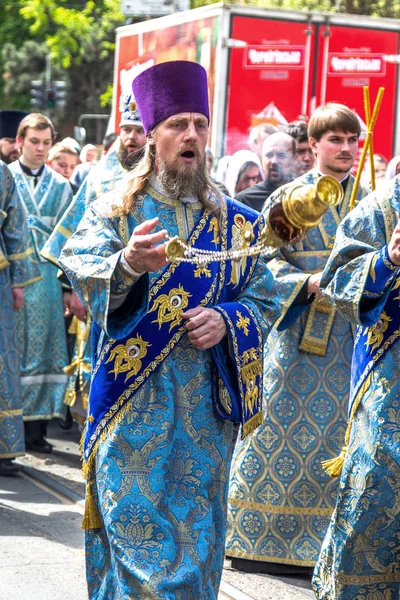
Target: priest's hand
206, 327
394, 246
313, 283
144, 253
18, 298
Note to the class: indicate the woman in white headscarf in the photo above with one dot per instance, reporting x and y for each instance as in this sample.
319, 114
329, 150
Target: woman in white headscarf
393, 168
88, 153
244, 171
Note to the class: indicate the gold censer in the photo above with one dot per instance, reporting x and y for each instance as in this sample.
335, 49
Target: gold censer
301, 209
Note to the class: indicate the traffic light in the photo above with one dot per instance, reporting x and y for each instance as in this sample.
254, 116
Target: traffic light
59, 93
38, 94
51, 101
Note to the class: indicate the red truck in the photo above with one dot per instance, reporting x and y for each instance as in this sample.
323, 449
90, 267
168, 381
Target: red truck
271, 65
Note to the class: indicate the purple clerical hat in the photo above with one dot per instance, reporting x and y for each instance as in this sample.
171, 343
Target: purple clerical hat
170, 88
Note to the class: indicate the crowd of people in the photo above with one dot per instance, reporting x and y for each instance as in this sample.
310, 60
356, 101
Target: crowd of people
215, 395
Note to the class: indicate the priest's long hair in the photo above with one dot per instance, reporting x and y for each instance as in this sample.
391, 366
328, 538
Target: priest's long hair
207, 192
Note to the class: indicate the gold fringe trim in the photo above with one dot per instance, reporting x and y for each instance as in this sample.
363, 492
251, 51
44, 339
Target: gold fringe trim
334, 466
252, 424
313, 348
91, 518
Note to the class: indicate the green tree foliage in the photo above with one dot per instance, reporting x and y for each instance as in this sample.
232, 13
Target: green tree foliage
78, 35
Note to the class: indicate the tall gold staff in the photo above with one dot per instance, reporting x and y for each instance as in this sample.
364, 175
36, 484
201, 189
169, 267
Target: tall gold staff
366, 146
367, 109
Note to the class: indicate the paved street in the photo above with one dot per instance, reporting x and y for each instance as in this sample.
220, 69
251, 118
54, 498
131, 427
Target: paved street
41, 553
40, 544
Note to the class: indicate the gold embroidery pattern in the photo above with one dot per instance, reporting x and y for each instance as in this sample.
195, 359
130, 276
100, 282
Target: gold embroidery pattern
115, 413
201, 270
250, 364
242, 322
251, 368
242, 237
170, 306
375, 333
127, 357
214, 227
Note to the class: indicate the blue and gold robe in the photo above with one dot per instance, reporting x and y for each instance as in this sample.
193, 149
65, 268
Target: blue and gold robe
360, 554
280, 499
160, 472
17, 270
101, 179
41, 326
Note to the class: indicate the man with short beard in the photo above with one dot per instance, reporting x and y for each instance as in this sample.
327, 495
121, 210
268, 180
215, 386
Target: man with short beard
178, 354
9, 121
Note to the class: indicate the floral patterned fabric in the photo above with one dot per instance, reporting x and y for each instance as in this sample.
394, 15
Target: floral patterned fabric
360, 554
41, 326
280, 498
17, 270
161, 474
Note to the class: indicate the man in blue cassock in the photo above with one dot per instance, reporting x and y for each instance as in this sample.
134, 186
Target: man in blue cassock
17, 270
44, 196
360, 554
178, 353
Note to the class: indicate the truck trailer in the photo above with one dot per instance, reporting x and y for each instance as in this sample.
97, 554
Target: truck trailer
267, 65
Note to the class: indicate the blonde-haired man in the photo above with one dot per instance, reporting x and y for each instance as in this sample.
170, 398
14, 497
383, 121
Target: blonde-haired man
44, 195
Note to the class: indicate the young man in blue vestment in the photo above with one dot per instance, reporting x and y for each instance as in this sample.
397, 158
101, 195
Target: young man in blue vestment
17, 270
360, 554
280, 499
178, 352
44, 196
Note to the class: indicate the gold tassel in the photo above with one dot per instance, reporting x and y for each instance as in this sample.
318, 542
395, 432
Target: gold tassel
334, 466
91, 518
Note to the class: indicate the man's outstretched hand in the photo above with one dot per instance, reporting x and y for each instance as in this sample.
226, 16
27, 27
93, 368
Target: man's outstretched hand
144, 253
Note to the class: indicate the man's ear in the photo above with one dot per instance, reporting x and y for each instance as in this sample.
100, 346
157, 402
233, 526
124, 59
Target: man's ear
313, 143
150, 138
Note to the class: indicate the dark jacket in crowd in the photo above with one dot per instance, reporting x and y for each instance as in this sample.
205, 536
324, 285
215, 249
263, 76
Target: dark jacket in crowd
255, 196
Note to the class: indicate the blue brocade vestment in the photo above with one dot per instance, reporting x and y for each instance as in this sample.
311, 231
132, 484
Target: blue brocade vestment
360, 554
41, 326
102, 178
161, 468
280, 499
17, 270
